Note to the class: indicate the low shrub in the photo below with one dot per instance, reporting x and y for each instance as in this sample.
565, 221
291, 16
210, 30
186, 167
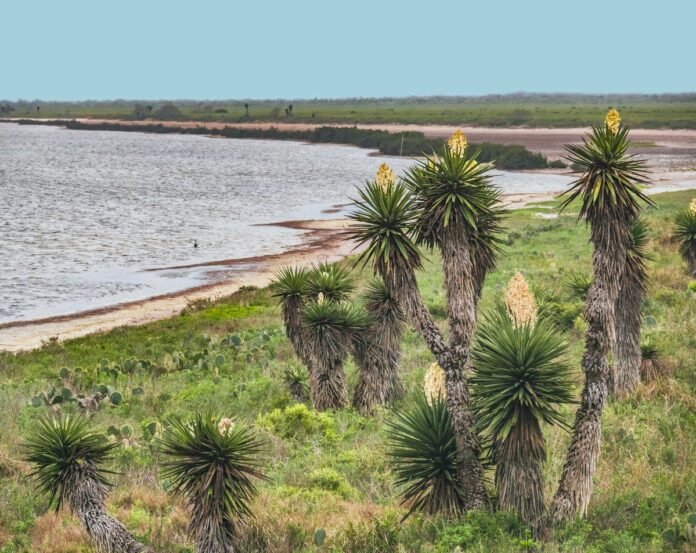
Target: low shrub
298, 422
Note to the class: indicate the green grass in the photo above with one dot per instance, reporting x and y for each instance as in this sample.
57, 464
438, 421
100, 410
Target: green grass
330, 471
533, 110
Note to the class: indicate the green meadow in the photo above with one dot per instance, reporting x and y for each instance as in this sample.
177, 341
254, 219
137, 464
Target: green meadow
330, 472
676, 111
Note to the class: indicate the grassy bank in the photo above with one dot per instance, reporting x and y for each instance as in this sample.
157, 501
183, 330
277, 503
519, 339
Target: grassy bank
331, 471
675, 111
510, 157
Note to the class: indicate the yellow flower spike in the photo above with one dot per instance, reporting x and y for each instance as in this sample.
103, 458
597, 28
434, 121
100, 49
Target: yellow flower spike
613, 120
457, 143
320, 298
520, 301
692, 206
434, 383
385, 176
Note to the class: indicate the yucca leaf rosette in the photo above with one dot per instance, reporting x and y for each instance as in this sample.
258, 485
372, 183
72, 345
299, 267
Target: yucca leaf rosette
212, 463
520, 381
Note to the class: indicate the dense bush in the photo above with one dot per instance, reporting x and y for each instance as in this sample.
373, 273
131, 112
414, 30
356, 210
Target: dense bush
167, 112
510, 156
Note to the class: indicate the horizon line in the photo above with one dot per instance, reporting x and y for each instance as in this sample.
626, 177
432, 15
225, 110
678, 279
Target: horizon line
519, 94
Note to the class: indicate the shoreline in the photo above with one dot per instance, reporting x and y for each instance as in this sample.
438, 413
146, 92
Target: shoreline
325, 241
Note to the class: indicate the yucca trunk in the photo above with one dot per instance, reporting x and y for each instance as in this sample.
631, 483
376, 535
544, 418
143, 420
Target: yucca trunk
610, 241
691, 260
291, 309
627, 354
208, 542
331, 331
462, 286
377, 353
327, 380
86, 498
519, 477
404, 287
213, 531
378, 376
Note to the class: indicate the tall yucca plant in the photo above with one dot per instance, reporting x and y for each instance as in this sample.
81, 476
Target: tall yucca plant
291, 288
454, 194
424, 454
458, 210
67, 460
520, 380
384, 219
455, 202
447, 202
610, 201
627, 355
332, 329
685, 236
212, 464
377, 350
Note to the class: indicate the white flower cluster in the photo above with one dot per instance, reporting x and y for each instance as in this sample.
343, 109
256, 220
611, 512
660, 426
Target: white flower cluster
520, 301
434, 383
225, 426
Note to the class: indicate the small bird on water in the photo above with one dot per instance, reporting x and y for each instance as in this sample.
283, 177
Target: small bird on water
195, 243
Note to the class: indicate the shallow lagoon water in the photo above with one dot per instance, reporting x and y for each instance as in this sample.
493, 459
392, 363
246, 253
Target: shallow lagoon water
84, 213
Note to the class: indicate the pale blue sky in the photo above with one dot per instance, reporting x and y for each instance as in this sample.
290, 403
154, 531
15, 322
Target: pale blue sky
204, 49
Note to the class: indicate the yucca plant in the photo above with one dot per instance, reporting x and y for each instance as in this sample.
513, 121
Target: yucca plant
448, 202
547, 301
296, 380
291, 288
384, 219
423, 451
685, 236
332, 328
651, 366
330, 281
577, 284
67, 460
520, 380
610, 196
377, 350
458, 210
212, 462
627, 356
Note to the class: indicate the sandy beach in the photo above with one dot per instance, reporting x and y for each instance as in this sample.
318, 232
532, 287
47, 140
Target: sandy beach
671, 155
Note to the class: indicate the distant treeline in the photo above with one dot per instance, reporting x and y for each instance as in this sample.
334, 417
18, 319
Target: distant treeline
410, 143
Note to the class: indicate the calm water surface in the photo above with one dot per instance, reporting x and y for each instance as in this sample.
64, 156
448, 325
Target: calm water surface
82, 213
